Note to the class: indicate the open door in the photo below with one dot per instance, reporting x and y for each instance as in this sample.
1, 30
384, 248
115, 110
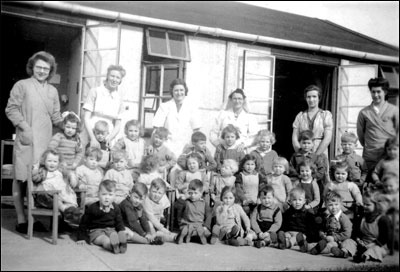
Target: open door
257, 80
353, 95
101, 47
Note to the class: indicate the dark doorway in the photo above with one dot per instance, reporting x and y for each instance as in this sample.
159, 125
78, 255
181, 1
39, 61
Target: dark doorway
291, 78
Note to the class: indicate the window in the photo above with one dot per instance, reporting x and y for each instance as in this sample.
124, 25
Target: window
155, 89
167, 44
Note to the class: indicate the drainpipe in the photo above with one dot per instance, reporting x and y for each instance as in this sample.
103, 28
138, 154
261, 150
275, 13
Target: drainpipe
215, 32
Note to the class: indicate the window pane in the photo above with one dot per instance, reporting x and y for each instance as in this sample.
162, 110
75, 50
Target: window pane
170, 73
177, 45
97, 62
101, 37
157, 43
153, 81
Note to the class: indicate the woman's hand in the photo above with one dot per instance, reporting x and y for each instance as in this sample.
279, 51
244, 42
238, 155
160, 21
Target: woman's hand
94, 143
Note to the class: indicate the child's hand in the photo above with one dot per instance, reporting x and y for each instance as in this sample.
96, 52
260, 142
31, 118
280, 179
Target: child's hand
330, 239
307, 206
150, 150
150, 237
241, 147
322, 235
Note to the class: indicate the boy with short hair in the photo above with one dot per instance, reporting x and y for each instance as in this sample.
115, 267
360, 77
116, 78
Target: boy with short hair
101, 131
306, 139
198, 145
194, 215
137, 224
336, 227
102, 220
298, 222
154, 205
266, 218
359, 170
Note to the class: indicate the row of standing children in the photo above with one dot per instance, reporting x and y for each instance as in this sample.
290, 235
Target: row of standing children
261, 166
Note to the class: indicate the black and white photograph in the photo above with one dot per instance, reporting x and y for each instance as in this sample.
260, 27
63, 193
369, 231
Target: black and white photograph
199, 135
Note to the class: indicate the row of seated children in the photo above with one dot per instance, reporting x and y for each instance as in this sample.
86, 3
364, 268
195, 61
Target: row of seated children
249, 164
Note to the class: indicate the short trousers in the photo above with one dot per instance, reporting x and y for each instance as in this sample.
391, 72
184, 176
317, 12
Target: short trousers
94, 233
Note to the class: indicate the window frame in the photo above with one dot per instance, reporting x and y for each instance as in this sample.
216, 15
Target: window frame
168, 45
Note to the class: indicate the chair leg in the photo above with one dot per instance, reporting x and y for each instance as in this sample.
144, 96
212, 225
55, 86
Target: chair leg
55, 229
30, 226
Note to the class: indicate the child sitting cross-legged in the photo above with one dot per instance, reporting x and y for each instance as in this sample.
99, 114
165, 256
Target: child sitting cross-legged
193, 215
135, 220
298, 222
154, 205
337, 227
373, 236
102, 222
229, 217
266, 218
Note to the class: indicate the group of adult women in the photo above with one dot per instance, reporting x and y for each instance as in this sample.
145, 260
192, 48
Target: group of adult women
33, 107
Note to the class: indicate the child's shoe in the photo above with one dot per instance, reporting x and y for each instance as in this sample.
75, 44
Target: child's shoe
273, 237
114, 241
235, 229
122, 242
319, 247
337, 252
214, 239
302, 242
159, 240
179, 238
222, 234
233, 242
281, 240
248, 241
259, 244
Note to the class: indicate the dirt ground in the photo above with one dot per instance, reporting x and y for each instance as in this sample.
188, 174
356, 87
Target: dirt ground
19, 253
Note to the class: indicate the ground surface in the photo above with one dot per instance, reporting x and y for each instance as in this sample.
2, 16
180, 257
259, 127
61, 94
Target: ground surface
19, 253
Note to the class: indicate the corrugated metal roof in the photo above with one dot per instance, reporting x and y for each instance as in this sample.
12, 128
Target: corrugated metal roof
244, 18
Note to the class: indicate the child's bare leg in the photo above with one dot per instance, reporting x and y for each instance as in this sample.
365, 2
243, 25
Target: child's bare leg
135, 238
103, 241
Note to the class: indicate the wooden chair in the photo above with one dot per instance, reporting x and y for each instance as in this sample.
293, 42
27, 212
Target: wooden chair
32, 210
54, 212
7, 171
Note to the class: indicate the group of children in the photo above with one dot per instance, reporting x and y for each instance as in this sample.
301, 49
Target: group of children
238, 196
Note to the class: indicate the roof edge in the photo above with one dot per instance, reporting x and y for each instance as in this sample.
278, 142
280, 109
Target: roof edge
77, 9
